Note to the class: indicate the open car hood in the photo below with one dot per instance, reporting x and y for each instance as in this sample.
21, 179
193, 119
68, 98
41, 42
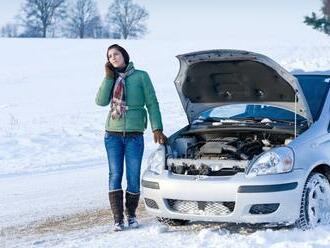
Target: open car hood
213, 78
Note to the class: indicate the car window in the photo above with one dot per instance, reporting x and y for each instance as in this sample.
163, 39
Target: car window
238, 111
315, 88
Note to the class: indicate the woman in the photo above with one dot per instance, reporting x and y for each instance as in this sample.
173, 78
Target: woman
127, 90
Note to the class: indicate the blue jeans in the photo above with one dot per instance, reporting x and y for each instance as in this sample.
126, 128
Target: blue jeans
129, 148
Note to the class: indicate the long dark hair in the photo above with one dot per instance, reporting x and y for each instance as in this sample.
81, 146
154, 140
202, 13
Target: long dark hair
121, 50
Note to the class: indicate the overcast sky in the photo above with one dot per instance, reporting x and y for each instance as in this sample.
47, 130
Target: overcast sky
211, 19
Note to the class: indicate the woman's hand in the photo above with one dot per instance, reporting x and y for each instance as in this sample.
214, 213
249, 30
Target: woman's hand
108, 70
159, 137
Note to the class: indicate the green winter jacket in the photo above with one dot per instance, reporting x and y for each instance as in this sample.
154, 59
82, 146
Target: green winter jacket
139, 93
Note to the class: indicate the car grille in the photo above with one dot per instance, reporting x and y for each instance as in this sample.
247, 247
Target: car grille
201, 207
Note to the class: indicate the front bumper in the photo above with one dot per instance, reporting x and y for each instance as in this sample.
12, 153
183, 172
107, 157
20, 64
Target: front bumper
283, 190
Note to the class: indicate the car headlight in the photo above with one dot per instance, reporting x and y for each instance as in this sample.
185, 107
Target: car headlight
274, 161
156, 160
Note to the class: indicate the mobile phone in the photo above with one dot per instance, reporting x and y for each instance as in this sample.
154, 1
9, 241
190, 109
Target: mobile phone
110, 66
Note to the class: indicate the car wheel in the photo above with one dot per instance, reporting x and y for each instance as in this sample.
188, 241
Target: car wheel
315, 202
172, 222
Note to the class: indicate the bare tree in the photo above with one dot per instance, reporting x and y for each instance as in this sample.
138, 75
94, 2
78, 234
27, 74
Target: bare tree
95, 29
127, 19
38, 15
9, 30
84, 19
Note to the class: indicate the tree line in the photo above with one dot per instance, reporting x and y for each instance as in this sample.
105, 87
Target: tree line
78, 19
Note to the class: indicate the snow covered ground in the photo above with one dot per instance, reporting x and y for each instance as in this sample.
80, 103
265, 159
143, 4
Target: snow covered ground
52, 159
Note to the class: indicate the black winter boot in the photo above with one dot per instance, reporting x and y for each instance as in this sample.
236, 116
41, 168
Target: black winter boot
116, 203
131, 204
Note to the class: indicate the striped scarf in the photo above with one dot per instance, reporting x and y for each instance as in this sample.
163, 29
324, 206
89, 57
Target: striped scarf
118, 101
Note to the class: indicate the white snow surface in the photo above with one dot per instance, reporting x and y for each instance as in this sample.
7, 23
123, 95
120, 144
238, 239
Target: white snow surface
52, 157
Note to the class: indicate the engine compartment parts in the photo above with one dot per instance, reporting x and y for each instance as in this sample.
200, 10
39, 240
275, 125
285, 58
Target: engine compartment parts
231, 147
237, 146
219, 154
206, 167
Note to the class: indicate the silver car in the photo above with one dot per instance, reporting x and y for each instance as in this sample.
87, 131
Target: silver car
256, 149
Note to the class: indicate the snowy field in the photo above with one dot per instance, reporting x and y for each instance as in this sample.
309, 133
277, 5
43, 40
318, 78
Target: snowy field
52, 158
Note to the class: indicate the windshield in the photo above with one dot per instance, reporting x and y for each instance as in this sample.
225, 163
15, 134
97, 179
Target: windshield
315, 88
256, 111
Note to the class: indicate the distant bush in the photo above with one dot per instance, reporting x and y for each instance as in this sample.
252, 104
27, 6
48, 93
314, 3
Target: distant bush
9, 30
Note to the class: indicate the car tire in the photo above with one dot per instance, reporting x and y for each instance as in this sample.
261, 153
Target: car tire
315, 202
172, 222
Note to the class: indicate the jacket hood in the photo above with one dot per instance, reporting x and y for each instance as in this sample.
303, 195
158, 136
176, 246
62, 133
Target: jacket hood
213, 78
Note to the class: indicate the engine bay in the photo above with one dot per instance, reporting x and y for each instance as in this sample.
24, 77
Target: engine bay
219, 154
